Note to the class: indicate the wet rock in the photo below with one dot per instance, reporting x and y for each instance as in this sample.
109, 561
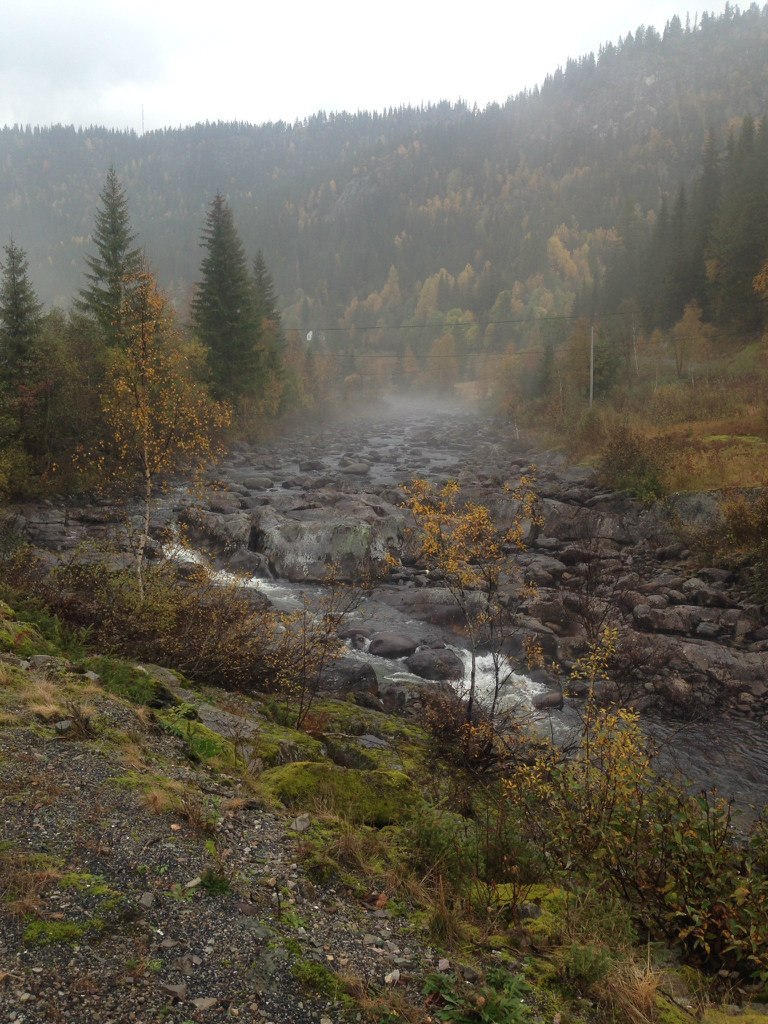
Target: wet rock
347, 675
402, 696
250, 563
303, 543
436, 664
392, 645
552, 699
221, 533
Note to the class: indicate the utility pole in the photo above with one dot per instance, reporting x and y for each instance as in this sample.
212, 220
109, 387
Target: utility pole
591, 364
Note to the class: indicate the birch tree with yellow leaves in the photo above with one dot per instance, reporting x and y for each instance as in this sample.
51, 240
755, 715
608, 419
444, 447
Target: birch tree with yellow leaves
160, 418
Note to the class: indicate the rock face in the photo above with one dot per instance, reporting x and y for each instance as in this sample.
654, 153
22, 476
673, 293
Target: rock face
303, 543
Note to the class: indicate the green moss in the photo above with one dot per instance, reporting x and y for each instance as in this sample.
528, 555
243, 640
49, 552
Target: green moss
348, 754
372, 798
147, 782
46, 933
131, 682
733, 439
547, 929
47, 634
94, 885
21, 638
269, 744
345, 716
203, 744
318, 978
668, 1012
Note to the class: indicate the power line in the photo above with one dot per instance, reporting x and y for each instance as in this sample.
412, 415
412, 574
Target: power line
463, 324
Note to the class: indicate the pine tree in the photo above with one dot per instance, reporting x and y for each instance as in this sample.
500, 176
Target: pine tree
114, 264
223, 310
20, 317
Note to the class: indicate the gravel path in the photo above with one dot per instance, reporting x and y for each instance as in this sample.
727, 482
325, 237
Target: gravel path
116, 908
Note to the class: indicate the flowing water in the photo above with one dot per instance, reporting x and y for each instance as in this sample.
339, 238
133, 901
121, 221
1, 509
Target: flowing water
730, 753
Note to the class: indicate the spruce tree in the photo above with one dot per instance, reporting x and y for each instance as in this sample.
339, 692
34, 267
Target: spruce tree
114, 264
20, 317
270, 341
223, 310
264, 298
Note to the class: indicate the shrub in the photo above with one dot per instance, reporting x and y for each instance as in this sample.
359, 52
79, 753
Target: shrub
484, 856
470, 745
608, 818
628, 462
744, 537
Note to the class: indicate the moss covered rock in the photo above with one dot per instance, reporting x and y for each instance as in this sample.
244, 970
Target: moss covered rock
277, 744
365, 797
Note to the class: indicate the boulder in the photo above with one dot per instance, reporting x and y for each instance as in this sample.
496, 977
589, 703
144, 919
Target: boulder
220, 533
257, 483
431, 663
392, 645
550, 700
303, 543
348, 675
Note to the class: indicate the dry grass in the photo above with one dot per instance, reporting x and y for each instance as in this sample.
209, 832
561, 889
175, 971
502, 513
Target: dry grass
161, 796
146, 718
389, 1004
7, 674
235, 804
197, 811
47, 698
630, 991
39, 695
23, 880
132, 754
715, 460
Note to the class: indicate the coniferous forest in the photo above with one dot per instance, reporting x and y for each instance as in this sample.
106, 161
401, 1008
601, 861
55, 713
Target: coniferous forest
622, 207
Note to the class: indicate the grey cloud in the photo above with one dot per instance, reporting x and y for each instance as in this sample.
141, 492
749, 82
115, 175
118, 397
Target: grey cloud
55, 56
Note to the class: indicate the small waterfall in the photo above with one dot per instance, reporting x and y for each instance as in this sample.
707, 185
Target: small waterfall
284, 596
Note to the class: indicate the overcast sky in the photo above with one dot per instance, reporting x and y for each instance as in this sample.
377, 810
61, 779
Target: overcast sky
100, 61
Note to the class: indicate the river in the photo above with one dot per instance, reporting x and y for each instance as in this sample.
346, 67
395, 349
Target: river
405, 439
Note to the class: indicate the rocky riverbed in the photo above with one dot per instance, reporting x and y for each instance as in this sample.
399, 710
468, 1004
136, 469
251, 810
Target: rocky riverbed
694, 648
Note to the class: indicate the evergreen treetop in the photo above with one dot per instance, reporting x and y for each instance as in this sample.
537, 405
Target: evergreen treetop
115, 261
223, 309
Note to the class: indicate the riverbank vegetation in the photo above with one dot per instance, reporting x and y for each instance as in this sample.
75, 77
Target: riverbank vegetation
585, 883
583, 887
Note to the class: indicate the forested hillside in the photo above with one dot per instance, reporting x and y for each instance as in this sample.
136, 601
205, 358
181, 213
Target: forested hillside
512, 212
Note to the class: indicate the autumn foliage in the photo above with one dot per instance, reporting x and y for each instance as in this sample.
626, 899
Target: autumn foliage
472, 553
